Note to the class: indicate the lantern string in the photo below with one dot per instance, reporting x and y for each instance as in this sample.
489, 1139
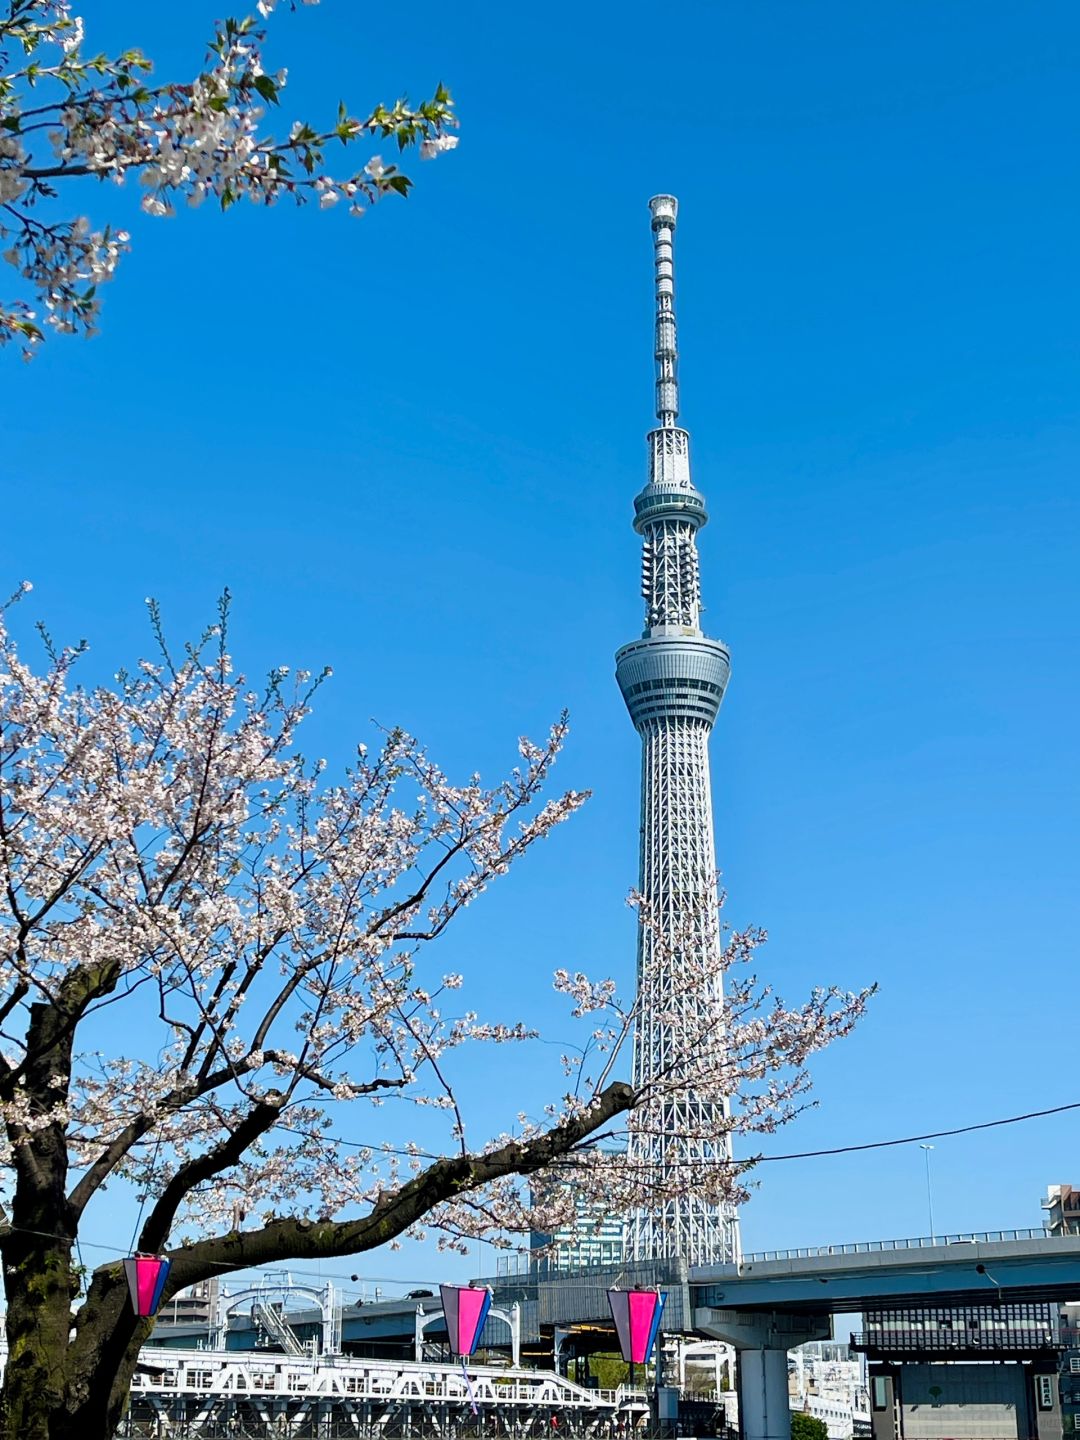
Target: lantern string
468, 1385
142, 1198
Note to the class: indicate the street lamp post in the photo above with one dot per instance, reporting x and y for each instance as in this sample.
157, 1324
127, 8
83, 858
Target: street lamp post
929, 1190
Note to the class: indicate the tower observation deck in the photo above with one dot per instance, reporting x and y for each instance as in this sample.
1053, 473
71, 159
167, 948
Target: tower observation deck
673, 681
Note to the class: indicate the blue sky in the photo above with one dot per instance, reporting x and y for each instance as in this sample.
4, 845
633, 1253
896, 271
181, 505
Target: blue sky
410, 443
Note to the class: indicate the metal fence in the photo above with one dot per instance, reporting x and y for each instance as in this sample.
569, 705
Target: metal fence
918, 1242
1011, 1341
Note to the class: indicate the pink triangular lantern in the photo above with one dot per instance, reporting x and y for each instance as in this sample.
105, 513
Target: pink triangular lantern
146, 1276
465, 1308
637, 1321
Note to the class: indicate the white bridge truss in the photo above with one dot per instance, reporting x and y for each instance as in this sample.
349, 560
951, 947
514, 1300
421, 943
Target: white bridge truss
673, 681
267, 1303
228, 1392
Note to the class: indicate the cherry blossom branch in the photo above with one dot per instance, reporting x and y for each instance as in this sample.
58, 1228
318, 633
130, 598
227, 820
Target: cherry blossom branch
259, 1119
396, 1212
196, 140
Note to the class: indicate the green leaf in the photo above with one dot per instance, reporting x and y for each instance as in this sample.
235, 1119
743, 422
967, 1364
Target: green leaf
266, 88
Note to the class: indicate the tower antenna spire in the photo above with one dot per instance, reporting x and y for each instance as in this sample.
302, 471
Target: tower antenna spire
665, 211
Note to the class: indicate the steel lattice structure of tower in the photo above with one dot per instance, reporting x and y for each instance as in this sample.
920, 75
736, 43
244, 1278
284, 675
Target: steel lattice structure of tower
673, 681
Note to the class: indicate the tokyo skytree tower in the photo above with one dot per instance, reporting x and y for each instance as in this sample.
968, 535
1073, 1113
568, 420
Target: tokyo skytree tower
673, 680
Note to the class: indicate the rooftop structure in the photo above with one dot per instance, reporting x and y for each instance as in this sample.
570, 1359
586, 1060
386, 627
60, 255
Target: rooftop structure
1062, 1205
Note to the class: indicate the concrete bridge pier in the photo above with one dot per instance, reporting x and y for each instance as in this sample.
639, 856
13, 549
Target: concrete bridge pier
761, 1341
764, 1412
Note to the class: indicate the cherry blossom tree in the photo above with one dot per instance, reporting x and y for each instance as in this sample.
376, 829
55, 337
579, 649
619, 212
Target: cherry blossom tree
214, 970
66, 114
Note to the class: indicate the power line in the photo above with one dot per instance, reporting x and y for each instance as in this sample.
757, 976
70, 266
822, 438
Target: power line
230, 1265
930, 1135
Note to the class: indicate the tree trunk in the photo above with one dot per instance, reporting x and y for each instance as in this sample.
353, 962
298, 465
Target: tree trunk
101, 1360
39, 1286
56, 1389
38, 1277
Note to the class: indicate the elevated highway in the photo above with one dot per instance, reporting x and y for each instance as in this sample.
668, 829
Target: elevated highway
818, 1281
951, 1269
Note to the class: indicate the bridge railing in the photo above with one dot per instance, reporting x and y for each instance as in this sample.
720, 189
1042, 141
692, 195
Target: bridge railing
918, 1242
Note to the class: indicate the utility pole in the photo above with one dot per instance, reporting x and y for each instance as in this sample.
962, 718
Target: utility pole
929, 1190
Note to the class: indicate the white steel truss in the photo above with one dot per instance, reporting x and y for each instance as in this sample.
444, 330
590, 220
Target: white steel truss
673, 681
194, 1392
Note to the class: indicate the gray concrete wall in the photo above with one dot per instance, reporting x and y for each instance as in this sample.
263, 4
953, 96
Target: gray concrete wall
964, 1402
958, 1401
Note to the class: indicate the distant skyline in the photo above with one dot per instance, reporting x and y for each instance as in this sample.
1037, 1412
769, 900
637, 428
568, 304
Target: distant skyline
410, 445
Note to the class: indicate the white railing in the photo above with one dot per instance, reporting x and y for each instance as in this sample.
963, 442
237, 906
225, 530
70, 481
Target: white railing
920, 1242
631, 1397
278, 1328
